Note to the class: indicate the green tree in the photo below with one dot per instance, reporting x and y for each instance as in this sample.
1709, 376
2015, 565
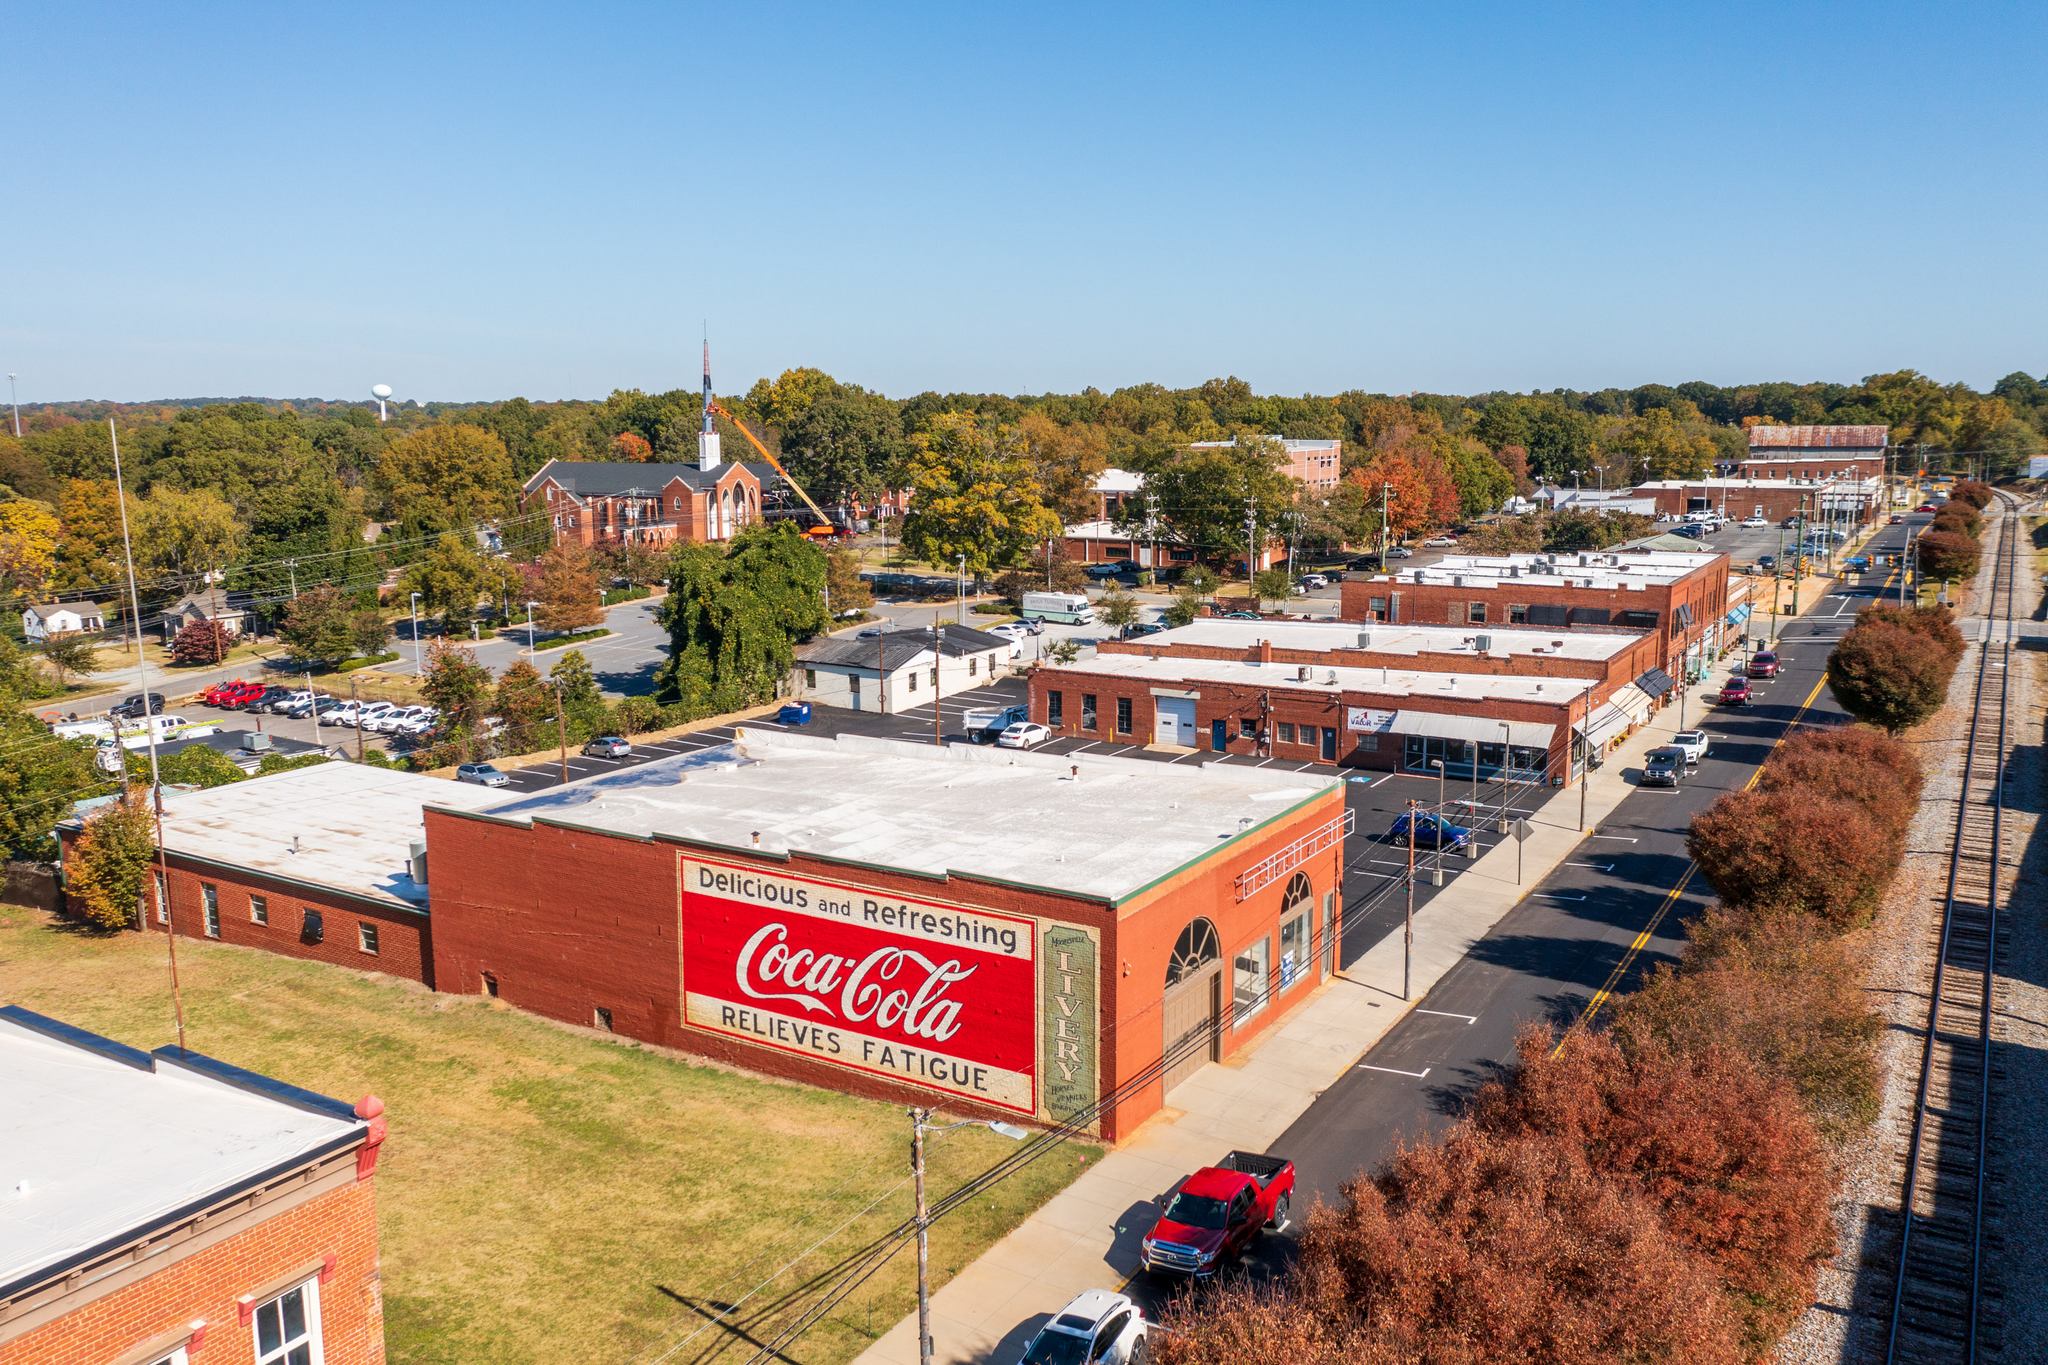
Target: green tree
1576, 529
280, 763
1118, 610
73, 653
1482, 483
197, 766
89, 550
1064, 650
568, 589
973, 494
192, 536
369, 632
582, 702
1206, 499
1657, 445
1271, 585
1183, 609
1201, 580
734, 617
316, 624
456, 684
450, 579
849, 591
446, 477
110, 864
843, 446
527, 705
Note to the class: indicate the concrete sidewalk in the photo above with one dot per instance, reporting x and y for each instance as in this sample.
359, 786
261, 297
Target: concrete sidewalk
1087, 1235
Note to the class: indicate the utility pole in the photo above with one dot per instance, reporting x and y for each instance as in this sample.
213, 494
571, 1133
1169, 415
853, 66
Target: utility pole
356, 707
1251, 544
1799, 553
292, 568
1408, 926
924, 1299
1586, 767
1386, 497
14, 404
938, 659
562, 725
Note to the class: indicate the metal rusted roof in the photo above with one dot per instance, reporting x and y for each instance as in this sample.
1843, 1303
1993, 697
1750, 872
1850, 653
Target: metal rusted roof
1817, 438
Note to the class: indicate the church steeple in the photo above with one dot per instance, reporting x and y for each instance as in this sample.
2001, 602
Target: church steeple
707, 439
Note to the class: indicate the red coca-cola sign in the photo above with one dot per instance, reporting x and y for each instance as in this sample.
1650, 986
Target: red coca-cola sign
938, 995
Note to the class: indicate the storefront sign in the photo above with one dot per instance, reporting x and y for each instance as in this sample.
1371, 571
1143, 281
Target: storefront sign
1366, 719
919, 991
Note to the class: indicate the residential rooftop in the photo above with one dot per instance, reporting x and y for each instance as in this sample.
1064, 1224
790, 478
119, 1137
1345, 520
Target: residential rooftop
1381, 638
104, 1142
1635, 570
339, 826
1004, 815
1397, 682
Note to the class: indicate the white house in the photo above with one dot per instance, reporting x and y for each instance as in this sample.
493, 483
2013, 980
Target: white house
201, 607
41, 620
896, 670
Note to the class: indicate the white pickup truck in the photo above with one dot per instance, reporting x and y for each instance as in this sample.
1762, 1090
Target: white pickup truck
1694, 745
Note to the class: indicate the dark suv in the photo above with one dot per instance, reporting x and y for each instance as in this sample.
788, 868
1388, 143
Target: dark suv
134, 707
1663, 767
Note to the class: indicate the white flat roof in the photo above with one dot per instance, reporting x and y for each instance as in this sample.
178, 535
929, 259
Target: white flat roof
1398, 682
1003, 814
1604, 568
95, 1149
1118, 481
1381, 638
354, 825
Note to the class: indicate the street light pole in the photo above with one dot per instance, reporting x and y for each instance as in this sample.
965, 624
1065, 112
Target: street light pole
529, 628
1436, 865
960, 611
1408, 924
418, 667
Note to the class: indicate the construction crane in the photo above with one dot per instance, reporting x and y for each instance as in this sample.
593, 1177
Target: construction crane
825, 525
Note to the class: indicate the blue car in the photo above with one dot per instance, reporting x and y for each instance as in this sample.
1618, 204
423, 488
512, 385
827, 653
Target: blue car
1857, 562
1430, 832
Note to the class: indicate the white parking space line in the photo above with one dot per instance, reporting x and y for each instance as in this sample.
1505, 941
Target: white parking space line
1417, 1075
1468, 1018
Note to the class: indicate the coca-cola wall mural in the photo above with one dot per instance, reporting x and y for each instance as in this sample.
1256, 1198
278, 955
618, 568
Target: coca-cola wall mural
988, 1006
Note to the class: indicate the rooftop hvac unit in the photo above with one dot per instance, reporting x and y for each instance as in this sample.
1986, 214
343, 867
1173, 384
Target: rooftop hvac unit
1582, 561
1482, 643
1301, 674
418, 859
255, 742
1457, 580
1365, 639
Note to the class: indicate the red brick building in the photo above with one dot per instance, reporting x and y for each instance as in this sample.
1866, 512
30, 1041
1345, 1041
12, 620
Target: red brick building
602, 502
1816, 452
168, 1209
316, 863
1048, 938
1847, 501
1682, 599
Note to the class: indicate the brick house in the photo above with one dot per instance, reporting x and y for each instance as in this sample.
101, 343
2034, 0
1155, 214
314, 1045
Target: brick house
1681, 598
607, 503
1068, 938
317, 863
168, 1209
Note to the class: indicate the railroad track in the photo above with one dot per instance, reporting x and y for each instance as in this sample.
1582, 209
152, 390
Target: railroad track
1941, 1306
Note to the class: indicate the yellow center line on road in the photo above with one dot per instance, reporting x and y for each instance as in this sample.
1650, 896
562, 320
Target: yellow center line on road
1607, 988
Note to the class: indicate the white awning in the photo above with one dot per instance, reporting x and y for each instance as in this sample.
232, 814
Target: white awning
1603, 724
1633, 700
1437, 725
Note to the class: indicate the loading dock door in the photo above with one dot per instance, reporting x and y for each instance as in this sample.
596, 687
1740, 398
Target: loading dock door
1175, 721
1192, 1008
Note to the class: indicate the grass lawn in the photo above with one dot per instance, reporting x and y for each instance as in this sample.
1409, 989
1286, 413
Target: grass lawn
548, 1195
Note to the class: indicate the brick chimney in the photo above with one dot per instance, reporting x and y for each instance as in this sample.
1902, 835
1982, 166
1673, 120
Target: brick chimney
1265, 651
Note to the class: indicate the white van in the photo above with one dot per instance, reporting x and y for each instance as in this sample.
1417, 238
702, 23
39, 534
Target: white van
1070, 608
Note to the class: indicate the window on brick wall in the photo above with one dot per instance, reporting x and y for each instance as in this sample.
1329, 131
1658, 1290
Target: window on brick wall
1476, 613
288, 1327
259, 910
163, 900
1287, 732
366, 936
209, 898
1087, 710
1518, 613
313, 929
811, 679
1247, 728
1055, 710
1123, 715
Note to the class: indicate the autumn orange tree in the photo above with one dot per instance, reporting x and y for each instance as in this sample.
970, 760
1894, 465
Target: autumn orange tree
569, 595
1890, 676
110, 864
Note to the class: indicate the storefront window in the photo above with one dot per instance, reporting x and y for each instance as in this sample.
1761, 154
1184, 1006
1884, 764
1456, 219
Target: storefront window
1295, 909
1286, 732
1248, 988
1418, 751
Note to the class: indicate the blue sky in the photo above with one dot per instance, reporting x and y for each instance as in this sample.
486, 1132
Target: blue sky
477, 202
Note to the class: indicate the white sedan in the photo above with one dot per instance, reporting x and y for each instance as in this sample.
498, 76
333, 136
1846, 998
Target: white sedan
1439, 542
1753, 523
1400, 552
1025, 734
1017, 630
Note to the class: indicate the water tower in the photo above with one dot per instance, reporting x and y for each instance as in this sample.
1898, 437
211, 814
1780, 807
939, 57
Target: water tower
380, 392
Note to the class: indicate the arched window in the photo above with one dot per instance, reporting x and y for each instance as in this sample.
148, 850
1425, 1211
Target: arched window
1196, 947
1299, 894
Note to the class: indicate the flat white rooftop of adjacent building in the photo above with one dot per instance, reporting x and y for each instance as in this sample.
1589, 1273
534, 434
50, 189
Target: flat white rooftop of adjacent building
1605, 568
1381, 638
354, 825
1397, 682
1003, 814
92, 1148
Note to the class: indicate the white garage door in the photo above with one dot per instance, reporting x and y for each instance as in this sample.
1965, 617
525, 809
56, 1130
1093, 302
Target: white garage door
1176, 721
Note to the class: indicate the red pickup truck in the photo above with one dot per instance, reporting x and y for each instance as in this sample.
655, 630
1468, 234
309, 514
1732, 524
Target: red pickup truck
1217, 1213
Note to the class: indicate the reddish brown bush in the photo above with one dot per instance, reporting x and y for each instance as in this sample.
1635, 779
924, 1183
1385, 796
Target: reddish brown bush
1241, 1325
1793, 850
1936, 623
1779, 989
1888, 676
1947, 555
1726, 1152
1958, 518
1489, 1248
1854, 761
1972, 492
202, 642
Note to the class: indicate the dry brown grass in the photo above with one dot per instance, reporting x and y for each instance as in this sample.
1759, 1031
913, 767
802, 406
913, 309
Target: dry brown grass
548, 1195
